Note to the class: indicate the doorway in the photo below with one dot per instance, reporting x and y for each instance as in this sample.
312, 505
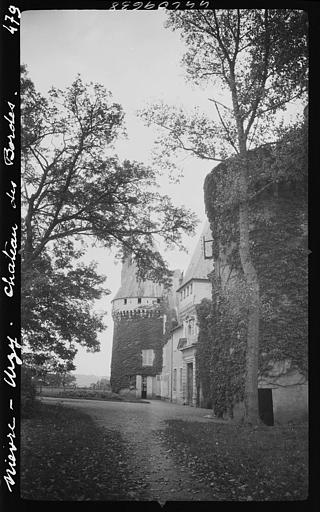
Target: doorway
144, 387
266, 406
189, 383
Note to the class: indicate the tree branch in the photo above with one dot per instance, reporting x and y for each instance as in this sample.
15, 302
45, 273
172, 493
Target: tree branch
182, 146
260, 91
225, 128
219, 103
237, 37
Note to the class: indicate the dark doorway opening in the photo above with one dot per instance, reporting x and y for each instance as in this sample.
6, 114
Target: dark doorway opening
144, 387
266, 406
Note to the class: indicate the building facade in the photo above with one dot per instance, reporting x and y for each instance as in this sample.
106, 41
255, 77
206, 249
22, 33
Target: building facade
178, 377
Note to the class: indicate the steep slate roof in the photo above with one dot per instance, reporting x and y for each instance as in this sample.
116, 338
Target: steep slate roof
131, 287
199, 267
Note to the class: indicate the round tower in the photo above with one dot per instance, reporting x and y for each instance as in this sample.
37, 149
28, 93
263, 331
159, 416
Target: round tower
137, 311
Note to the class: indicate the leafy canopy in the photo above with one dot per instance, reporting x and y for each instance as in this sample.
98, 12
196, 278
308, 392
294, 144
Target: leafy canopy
255, 63
74, 188
74, 185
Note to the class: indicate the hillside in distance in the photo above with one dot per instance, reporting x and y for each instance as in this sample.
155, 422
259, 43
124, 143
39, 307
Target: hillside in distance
84, 380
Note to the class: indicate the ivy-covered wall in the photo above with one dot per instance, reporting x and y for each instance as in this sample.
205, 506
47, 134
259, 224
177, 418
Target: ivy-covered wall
278, 237
131, 336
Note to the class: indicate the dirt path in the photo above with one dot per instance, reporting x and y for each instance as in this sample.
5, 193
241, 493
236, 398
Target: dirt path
155, 475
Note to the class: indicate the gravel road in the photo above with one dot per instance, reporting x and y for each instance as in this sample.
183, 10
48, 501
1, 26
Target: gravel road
155, 475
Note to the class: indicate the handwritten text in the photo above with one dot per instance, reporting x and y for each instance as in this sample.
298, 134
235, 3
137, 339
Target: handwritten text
8, 152
11, 255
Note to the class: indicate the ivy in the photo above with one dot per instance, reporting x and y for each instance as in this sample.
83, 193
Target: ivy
278, 237
131, 336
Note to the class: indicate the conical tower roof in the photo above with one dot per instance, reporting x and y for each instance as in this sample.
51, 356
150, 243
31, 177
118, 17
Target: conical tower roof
199, 267
132, 287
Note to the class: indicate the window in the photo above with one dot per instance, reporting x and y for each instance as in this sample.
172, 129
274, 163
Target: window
132, 382
181, 375
139, 300
174, 384
125, 301
191, 329
191, 288
147, 357
158, 301
164, 324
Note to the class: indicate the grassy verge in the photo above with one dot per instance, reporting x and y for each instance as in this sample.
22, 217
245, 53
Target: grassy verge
93, 394
243, 463
65, 456
89, 394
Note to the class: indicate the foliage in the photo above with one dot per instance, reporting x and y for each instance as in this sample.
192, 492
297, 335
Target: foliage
101, 384
258, 59
28, 393
60, 379
131, 336
73, 184
241, 463
221, 353
74, 187
278, 209
56, 309
82, 393
66, 457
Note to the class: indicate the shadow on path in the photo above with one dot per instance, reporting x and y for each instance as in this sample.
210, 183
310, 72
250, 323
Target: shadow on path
154, 473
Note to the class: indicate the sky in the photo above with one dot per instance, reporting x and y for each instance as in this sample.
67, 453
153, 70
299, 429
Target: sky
138, 60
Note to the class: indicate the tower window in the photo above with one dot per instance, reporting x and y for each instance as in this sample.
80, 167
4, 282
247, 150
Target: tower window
139, 300
147, 357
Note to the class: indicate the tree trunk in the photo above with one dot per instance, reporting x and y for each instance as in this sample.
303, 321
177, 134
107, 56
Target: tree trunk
253, 294
250, 274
